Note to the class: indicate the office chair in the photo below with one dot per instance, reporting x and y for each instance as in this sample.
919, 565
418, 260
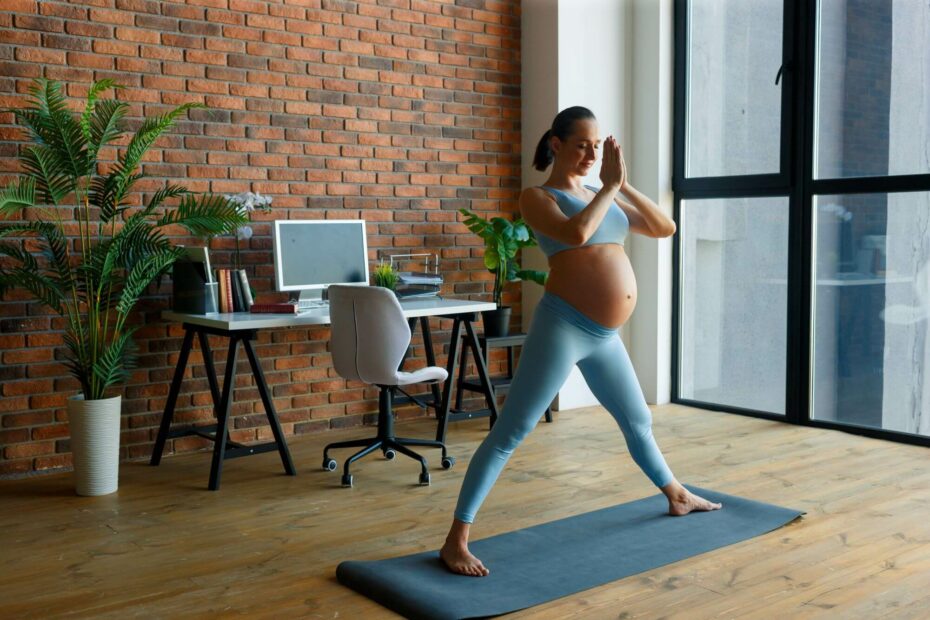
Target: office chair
370, 337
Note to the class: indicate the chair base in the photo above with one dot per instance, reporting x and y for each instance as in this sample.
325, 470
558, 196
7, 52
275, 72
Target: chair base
387, 442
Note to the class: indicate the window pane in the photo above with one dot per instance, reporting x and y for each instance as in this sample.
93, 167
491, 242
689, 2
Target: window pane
734, 106
734, 268
873, 88
871, 311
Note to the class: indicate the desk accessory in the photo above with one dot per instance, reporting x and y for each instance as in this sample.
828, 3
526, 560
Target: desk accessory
425, 282
193, 287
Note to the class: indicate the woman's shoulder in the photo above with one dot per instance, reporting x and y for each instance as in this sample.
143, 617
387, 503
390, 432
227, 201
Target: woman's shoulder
536, 191
536, 196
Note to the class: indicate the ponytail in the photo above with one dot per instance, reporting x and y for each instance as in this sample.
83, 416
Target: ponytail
562, 127
543, 156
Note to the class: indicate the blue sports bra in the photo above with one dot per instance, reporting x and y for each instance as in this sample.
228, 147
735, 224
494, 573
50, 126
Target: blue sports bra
613, 229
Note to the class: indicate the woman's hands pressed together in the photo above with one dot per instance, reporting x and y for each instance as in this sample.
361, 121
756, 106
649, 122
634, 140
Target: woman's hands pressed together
613, 167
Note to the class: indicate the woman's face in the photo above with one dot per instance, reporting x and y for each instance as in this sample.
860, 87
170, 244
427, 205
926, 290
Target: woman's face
580, 150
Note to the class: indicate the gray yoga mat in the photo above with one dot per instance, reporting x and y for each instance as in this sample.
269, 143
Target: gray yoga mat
552, 560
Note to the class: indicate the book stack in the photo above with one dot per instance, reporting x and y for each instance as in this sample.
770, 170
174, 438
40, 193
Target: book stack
234, 292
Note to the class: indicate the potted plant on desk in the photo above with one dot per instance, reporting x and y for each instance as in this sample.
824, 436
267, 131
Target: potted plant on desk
81, 250
502, 240
385, 276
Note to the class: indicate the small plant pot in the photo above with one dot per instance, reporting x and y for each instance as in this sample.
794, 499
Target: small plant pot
496, 322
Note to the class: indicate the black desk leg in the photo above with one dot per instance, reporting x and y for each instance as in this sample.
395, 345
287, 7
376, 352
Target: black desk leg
447, 386
269, 408
168, 414
482, 370
207, 353
223, 411
430, 359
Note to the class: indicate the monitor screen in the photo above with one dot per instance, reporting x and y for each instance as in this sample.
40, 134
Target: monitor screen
312, 254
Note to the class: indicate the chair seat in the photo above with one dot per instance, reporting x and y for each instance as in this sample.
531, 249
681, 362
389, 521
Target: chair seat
430, 373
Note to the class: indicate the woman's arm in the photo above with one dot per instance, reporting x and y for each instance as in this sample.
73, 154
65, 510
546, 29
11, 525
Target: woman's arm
541, 212
644, 215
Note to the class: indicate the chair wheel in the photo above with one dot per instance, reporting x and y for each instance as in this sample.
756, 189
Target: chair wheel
329, 464
347, 480
424, 478
389, 454
448, 462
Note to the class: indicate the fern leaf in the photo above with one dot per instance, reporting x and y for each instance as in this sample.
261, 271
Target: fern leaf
78, 357
91, 103
28, 277
66, 139
169, 191
204, 215
106, 125
53, 179
150, 130
17, 196
113, 365
141, 275
55, 250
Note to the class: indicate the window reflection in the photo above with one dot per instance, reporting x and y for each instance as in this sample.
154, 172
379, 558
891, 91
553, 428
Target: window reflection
871, 304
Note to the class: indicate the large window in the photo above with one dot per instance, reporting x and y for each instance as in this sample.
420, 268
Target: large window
734, 300
802, 181
729, 75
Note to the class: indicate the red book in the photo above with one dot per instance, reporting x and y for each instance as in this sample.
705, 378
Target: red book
274, 308
227, 277
273, 303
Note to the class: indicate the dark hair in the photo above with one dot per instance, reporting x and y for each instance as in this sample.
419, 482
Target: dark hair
562, 127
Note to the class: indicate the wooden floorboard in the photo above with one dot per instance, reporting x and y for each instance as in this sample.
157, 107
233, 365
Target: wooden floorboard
266, 544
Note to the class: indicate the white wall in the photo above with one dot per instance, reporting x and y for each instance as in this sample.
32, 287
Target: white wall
539, 94
650, 163
581, 52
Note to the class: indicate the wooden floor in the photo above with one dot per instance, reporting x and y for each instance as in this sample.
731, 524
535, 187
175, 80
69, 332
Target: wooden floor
266, 545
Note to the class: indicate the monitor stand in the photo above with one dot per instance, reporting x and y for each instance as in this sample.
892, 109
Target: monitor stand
309, 299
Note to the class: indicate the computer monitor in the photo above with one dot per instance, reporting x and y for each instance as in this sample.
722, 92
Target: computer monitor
309, 255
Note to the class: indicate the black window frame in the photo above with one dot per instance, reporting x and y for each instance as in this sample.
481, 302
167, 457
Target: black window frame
796, 182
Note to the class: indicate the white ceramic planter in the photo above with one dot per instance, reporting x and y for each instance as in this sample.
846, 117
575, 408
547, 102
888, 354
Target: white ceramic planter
95, 444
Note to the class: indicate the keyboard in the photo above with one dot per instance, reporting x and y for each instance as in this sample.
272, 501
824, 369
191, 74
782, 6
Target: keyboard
306, 305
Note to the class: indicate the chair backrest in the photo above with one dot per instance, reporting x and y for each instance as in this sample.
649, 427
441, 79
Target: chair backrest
369, 333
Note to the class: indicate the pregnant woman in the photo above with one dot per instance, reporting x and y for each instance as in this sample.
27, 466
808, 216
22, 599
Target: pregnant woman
590, 293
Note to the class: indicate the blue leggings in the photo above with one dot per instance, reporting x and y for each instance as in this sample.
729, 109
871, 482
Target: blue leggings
559, 338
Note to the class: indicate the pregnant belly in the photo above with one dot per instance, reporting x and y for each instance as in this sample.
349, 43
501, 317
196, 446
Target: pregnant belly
598, 280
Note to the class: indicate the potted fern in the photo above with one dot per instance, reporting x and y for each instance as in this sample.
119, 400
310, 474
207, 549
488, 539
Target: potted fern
81, 250
502, 240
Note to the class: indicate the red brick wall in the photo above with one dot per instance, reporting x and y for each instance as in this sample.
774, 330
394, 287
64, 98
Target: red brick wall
395, 111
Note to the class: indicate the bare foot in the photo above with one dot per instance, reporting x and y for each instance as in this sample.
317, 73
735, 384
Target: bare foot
683, 501
459, 560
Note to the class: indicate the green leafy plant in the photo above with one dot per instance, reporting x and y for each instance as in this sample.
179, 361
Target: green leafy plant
78, 246
502, 240
385, 276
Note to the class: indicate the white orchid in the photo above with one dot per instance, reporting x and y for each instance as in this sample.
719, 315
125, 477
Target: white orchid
245, 203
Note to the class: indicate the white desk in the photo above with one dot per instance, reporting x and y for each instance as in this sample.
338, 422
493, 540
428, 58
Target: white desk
241, 327
235, 321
